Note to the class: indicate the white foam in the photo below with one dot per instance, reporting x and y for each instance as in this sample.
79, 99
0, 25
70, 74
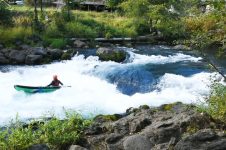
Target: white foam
90, 94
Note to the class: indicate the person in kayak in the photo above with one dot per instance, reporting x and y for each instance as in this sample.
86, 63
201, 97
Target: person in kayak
55, 81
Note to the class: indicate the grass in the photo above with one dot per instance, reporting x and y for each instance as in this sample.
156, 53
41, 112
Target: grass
54, 26
56, 133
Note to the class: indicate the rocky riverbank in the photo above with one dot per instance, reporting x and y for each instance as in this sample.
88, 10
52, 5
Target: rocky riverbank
172, 126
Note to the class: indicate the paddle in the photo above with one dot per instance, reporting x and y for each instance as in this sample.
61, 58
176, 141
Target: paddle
66, 86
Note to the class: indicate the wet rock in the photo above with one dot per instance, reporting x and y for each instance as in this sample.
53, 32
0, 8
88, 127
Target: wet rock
79, 44
138, 124
110, 53
3, 59
17, 56
137, 142
38, 51
55, 54
113, 138
76, 147
39, 147
1, 46
203, 139
33, 59
181, 47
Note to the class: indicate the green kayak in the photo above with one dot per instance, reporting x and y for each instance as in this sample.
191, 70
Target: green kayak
37, 89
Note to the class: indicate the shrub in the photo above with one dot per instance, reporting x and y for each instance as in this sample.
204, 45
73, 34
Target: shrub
215, 104
58, 43
10, 35
77, 29
56, 133
5, 14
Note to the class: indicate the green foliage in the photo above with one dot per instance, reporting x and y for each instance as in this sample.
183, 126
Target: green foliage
58, 43
58, 134
76, 29
10, 35
5, 14
215, 104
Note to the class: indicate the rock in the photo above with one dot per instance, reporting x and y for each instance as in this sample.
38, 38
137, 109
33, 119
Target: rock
55, 54
17, 56
24, 47
39, 147
38, 51
112, 54
138, 124
181, 47
1, 46
76, 147
137, 142
3, 59
113, 138
33, 59
79, 44
203, 139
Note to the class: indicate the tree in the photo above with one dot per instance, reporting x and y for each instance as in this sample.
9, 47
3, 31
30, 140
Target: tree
5, 14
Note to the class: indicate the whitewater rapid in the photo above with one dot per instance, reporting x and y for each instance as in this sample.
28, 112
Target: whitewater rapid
90, 92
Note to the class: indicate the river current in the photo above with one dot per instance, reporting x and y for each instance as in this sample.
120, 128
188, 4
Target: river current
151, 75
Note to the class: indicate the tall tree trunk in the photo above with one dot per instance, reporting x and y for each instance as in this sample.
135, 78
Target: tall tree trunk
35, 12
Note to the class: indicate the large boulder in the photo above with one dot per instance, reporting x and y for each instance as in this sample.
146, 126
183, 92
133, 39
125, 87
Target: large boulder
3, 59
203, 139
111, 53
79, 44
17, 56
55, 54
38, 51
137, 142
181, 47
33, 59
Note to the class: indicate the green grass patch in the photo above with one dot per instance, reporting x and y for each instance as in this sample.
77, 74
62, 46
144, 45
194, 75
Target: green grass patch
56, 133
13, 34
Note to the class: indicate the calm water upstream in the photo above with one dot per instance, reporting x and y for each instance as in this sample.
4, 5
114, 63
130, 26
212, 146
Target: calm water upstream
151, 75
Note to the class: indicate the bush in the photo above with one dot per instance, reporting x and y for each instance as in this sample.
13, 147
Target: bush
58, 43
56, 133
5, 14
11, 35
215, 104
77, 29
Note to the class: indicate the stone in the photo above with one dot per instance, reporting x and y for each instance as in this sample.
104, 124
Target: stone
1, 46
38, 51
17, 56
111, 54
137, 142
33, 59
55, 54
79, 44
3, 59
76, 147
203, 139
39, 147
113, 138
181, 47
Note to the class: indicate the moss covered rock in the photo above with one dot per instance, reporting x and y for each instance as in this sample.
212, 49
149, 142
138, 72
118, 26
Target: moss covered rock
113, 54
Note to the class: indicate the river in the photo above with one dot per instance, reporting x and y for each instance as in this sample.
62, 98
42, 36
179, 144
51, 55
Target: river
151, 75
